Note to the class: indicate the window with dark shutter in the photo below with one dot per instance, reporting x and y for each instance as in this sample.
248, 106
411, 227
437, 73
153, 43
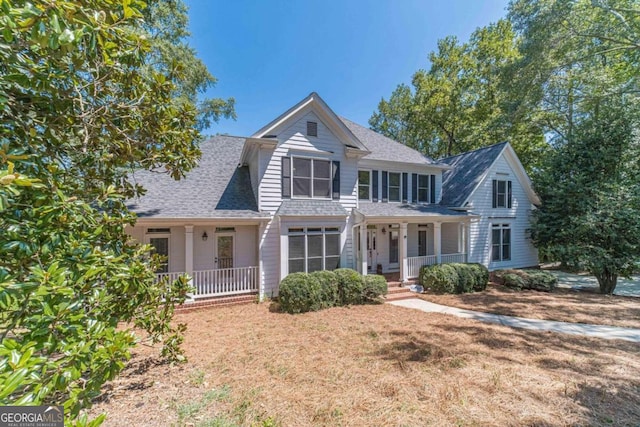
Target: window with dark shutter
336, 180
502, 194
286, 177
405, 187
312, 129
374, 186
385, 186
433, 189
414, 188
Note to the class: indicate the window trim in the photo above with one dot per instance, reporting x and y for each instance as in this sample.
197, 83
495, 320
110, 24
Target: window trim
399, 187
501, 227
155, 235
311, 187
508, 193
313, 231
427, 188
370, 185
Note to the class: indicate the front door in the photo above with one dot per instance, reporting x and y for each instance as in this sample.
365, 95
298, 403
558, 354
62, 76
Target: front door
224, 251
372, 249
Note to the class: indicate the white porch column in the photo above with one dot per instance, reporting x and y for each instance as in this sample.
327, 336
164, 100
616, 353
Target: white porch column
404, 263
437, 241
188, 251
467, 238
262, 228
363, 248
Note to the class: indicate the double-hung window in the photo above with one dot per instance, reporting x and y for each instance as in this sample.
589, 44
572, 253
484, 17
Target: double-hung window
159, 240
364, 185
501, 193
423, 188
313, 249
500, 242
311, 178
394, 186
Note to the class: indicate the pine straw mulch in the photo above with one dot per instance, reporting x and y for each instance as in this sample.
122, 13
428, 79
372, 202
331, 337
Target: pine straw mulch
565, 305
372, 366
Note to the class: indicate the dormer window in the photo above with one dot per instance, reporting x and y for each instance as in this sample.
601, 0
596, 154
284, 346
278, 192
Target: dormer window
312, 128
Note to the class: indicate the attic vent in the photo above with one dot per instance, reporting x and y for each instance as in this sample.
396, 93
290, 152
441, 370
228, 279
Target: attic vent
312, 129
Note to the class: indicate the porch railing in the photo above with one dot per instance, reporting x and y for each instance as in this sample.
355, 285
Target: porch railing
225, 281
171, 276
453, 258
220, 282
416, 262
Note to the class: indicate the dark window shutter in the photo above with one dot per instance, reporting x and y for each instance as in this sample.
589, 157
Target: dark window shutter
495, 193
286, 177
414, 188
405, 187
509, 194
336, 180
385, 186
432, 187
374, 186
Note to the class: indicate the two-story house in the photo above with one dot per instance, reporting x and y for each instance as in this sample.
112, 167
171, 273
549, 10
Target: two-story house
312, 191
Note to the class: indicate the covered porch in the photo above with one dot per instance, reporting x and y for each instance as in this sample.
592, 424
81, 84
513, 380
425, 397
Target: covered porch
221, 258
401, 239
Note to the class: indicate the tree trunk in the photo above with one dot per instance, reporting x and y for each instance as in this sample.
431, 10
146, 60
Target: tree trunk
607, 281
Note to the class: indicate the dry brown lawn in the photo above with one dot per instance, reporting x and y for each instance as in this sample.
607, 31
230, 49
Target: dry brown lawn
564, 305
377, 365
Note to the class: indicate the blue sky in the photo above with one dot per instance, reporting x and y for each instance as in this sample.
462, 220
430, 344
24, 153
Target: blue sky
268, 55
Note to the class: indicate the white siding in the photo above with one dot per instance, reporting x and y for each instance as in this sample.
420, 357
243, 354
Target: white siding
293, 141
523, 253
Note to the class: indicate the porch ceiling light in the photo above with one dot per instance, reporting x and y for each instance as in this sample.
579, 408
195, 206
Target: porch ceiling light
204, 236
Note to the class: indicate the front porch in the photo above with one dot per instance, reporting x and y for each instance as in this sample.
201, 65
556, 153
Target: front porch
402, 245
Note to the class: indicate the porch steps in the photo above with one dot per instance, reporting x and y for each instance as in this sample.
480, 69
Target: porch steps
217, 302
397, 292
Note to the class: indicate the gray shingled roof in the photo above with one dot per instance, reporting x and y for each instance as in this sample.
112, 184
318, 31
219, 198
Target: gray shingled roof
373, 210
468, 169
216, 188
309, 207
383, 148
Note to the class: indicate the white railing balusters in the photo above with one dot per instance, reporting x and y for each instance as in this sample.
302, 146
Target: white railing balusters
416, 262
220, 282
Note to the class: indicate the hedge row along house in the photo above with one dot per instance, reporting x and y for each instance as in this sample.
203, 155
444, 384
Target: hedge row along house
312, 191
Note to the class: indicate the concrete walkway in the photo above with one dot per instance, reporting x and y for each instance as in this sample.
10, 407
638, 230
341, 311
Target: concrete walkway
597, 331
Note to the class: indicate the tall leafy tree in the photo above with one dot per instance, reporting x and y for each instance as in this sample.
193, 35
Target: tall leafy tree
89, 92
463, 101
590, 193
580, 69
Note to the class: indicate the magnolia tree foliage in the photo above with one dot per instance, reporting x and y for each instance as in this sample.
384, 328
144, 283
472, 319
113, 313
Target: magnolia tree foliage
89, 91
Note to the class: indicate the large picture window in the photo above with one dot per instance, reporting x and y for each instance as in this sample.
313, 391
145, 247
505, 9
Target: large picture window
394, 186
364, 185
311, 178
313, 249
500, 242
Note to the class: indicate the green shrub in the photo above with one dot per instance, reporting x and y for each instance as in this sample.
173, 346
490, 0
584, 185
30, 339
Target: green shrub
481, 276
440, 278
536, 280
350, 286
466, 278
541, 280
514, 281
375, 287
299, 293
328, 287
